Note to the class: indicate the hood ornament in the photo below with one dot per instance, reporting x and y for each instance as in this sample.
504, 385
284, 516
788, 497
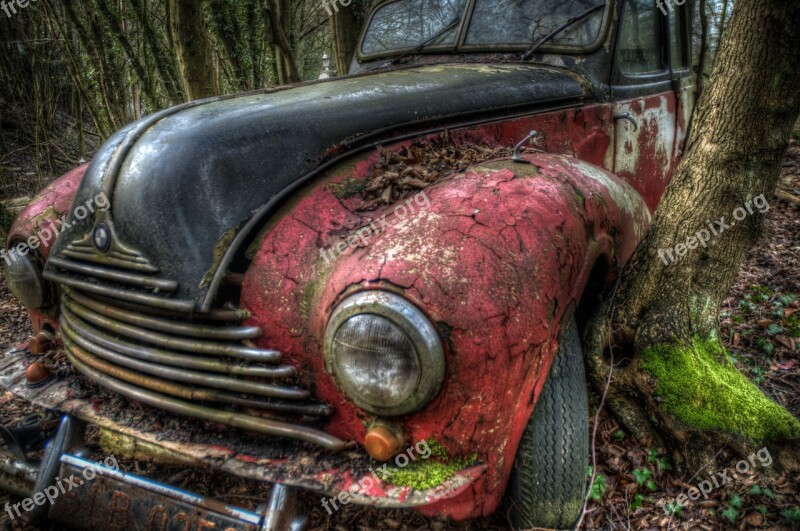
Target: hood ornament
101, 237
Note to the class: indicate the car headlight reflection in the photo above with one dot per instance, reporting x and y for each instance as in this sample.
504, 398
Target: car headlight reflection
384, 353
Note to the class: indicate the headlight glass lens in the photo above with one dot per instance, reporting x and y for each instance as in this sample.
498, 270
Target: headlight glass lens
24, 280
384, 353
375, 357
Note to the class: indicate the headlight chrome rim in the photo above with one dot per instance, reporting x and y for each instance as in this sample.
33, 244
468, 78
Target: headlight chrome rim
24, 266
419, 329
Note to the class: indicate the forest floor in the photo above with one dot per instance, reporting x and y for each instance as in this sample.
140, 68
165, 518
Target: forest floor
761, 328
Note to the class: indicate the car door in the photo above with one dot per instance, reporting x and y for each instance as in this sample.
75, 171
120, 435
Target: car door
645, 101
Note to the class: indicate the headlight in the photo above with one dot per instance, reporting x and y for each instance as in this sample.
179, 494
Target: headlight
25, 280
384, 353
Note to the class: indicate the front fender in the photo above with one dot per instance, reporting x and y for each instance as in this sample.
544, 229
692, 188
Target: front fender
39, 223
494, 256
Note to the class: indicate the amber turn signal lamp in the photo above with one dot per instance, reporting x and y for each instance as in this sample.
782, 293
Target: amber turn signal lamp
40, 343
36, 374
381, 444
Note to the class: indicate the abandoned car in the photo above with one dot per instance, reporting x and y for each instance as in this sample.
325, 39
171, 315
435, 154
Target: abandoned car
370, 286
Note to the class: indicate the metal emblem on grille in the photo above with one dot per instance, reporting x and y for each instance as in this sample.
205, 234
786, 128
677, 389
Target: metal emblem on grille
102, 237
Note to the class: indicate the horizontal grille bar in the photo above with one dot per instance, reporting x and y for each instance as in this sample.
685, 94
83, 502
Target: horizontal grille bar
169, 357
165, 325
238, 420
110, 260
133, 296
185, 375
69, 306
234, 315
124, 277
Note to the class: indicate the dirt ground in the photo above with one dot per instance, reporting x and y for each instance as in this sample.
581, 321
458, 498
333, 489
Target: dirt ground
761, 327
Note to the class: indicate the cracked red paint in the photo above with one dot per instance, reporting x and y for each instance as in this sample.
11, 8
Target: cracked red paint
49, 205
495, 261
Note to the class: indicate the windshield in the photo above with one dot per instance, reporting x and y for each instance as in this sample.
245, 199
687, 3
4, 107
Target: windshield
404, 24
408, 23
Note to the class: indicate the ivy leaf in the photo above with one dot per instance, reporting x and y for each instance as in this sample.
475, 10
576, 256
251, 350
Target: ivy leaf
674, 508
641, 475
651, 485
598, 488
754, 490
792, 515
775, 329
735, 501
730, 513
637, 502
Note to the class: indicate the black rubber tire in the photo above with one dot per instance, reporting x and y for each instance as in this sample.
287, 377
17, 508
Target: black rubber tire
548, 481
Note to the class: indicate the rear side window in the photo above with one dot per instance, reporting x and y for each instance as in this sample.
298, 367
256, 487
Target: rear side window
639, 47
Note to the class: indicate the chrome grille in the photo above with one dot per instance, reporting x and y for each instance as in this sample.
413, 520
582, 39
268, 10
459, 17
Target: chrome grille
204, 367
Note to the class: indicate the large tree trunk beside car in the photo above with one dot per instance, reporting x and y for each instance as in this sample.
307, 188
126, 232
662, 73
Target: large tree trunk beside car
675, 382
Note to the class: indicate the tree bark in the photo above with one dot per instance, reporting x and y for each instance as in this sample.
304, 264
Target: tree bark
194, 48
345, 30
279, 14
703, 59
675, 383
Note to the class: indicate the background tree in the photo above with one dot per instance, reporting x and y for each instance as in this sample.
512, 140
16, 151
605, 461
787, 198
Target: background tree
188, 27
674, 381
72, 73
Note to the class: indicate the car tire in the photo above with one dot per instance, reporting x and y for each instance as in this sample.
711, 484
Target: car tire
548, 480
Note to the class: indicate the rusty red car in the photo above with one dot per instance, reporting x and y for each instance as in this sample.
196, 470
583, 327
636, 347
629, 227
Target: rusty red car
370, 286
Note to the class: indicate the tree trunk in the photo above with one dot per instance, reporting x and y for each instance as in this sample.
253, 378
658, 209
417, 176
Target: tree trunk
703, 59
194, 48
675, 383
345, 30
279, 15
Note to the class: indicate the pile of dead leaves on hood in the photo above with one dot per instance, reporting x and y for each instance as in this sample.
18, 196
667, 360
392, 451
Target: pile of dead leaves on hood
420, 164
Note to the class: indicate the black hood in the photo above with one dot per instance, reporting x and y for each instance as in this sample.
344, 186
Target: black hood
183, 182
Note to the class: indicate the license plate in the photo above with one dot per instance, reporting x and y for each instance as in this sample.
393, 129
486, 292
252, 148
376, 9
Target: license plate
109, 500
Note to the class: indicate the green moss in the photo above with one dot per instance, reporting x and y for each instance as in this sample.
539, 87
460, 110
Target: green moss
347, 187
699, 385
424, 474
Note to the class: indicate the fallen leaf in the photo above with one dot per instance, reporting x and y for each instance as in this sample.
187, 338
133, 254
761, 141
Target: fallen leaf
755, 519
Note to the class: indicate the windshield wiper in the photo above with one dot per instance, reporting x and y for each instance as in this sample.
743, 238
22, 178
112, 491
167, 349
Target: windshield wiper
421, 46
537, 43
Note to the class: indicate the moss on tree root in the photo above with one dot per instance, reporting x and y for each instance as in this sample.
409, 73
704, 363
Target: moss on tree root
700, 386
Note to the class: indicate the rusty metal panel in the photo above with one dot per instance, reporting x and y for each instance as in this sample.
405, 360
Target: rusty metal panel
112, 500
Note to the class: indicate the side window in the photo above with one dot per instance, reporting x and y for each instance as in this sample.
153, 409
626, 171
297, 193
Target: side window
639, 46
677, 53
